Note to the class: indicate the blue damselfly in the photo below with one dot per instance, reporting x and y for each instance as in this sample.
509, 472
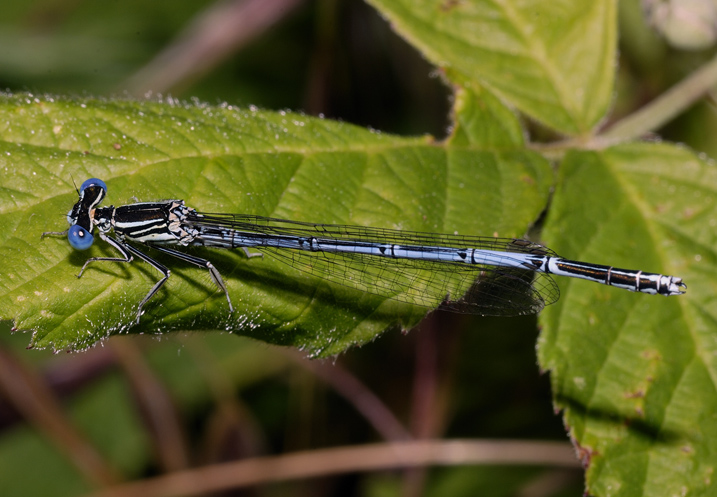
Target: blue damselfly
503, 276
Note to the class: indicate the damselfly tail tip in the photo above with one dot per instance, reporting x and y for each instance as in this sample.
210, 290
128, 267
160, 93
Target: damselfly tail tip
677, 286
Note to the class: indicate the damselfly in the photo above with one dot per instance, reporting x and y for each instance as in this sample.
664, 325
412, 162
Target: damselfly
503, 276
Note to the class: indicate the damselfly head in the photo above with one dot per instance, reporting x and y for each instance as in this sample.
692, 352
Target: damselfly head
80, 217
93, 183
79, 237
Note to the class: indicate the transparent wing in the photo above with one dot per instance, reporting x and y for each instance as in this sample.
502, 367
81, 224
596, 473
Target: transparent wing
459, 287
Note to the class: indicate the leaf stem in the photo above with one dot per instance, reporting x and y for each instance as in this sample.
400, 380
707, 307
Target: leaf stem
336, 460
662, 109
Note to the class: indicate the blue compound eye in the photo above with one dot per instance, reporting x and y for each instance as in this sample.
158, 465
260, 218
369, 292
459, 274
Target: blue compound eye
79, 237
93, 182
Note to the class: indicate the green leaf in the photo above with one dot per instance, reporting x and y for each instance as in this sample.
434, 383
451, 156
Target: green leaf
222, 159
636, 374
554, 61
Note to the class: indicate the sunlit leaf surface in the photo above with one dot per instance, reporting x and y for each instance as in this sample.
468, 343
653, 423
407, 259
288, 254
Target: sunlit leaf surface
221, 159
636, 375
554, 61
